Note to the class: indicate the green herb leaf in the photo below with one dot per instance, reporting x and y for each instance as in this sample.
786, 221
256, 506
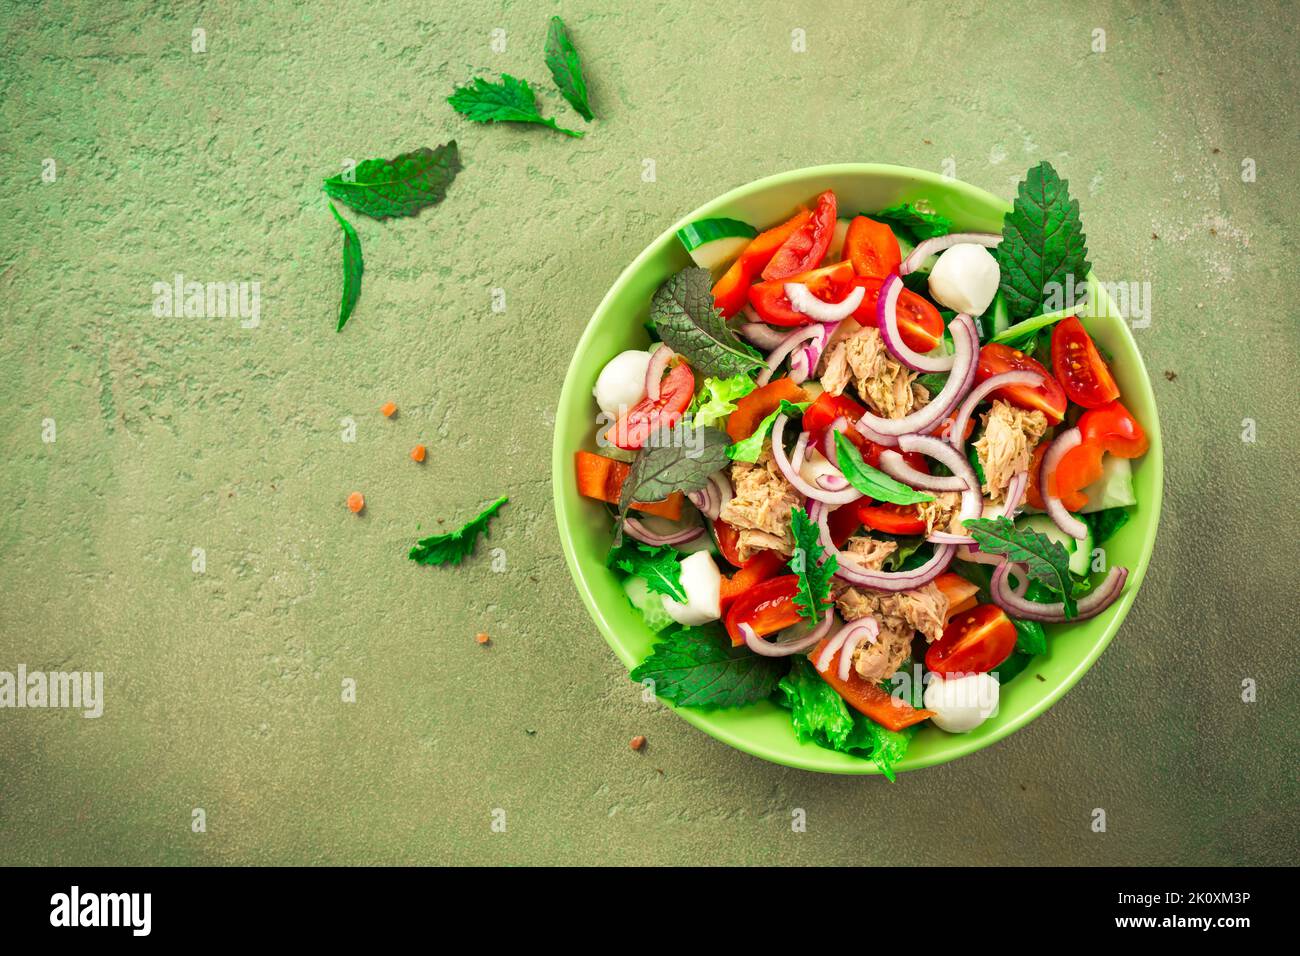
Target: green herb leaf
1030, 636
566, 68
912, 217
1026, 332
1011, 667
905, 555
814, 593
1042, 242
658, 565
352, 269
1046, 559
510, 101
748, 449
933, 381
698, 667
1103, 524
683, 312
870, 481
454, 546
400, 186
717, 399
681, 460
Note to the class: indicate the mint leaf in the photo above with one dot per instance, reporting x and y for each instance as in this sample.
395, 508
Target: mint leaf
748, 449
919, 222
682, 460
814, 593
683, 312
870, 481
400, 186
510, 101
352, 269
658, 565
717, 399
566, 68
1046, 559
1042, 242
698, 667
454, 546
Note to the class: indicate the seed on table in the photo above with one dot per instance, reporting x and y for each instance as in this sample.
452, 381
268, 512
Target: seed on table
389, 409
638, 742
417, 453
356, 501
482, 637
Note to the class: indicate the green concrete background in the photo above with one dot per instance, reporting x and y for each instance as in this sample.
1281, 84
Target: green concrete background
223, 688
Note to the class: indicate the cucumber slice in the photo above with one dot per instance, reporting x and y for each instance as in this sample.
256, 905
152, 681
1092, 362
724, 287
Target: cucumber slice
650, 605
1114, 489
1080, 552
999, 319
835, 251
906, 247
715, 242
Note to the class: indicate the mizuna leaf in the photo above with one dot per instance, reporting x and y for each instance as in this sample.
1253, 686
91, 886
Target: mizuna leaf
682, 310
814, 593
352, 269
566, 68
400, 186
657, 565
1046, 559
454, 546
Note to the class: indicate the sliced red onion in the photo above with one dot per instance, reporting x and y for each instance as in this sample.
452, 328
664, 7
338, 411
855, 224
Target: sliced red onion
869, 433
654, 372
785, 645
713, 496
887, 322
928, 248
848, 569
972, 502
972, 553
800, 447
788, 344
762, 335
829, 451
832, 482
957, 434
1016, 489
965, 362
834, 644
805, 303
639, 531
864, 629
1012, 600
1068, 439
792, 475
804, 362
895, 466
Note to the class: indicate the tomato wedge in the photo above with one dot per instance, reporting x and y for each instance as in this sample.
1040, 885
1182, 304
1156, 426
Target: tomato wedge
766, 607
602, 478
919, 323
1033, 493
1078, 468
807, 245
1049, 398
827, 408
872, 248
974, 642
728, 539
646, 417
759, 568
1080, 367
731, 291
1113, 428
891, 518
829, 283
959, 592
866, 698
760, 403
843, 523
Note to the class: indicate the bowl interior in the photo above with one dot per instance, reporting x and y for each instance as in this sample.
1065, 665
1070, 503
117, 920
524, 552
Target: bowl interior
764, 729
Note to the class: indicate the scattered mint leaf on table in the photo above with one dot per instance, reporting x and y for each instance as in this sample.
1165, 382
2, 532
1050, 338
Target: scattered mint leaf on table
454, 546
683, 312
1042, 242
510, 101
352, 269
1046, 559
871, 481
814, 593
400, 186
698, 667
566, 68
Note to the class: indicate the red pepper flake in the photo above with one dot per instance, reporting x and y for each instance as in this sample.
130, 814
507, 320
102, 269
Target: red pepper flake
389, 409
418, 452
638, 742
356, 502
482, 637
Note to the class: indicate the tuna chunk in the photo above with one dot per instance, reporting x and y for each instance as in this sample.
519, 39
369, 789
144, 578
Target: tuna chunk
870, 553
900, 616
941, 514
1010, 434
760, 510
883, 383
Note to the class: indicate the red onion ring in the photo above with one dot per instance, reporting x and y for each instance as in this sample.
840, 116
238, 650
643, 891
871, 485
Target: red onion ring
713, 496
972, 554
866, 629
1007, 598
639, 531
928, 248
654, 372
887, 322
785, 646
894, 465
800, 447
762, 335
965, 363
1016, 488
792, 475
785, 348
848, 569
805, 303
829, 451
972, 502
832, 482
1068, 439
869, 433
834, 644
957, 433
805, 360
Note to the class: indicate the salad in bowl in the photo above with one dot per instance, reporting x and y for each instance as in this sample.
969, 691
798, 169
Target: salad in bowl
864, 466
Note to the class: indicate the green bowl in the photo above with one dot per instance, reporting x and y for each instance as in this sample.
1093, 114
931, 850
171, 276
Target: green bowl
764, 729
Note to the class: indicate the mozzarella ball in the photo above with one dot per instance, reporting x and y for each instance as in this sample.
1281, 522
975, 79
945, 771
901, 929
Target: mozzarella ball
621, 382
702, 583
962, 703
965, 278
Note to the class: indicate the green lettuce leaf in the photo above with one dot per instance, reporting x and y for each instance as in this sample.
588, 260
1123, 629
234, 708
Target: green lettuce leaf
748, 449
915, 221
718, 397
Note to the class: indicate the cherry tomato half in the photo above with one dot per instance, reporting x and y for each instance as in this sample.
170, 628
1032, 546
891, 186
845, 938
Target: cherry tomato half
1048, 398
642, 419
766, 607
807, 246
891, 518
1080, 367
829, 283
872, 248
919, 323
974, 642
1033, 493
1113, 428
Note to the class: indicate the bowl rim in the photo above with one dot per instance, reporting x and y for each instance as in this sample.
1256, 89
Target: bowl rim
561, 471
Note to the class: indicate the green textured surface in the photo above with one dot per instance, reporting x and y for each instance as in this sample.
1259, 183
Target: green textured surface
223, 688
